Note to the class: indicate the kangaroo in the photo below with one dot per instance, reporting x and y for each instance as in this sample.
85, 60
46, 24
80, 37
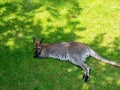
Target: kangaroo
75, 52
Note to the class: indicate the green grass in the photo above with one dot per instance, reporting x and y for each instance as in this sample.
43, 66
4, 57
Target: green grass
93, 22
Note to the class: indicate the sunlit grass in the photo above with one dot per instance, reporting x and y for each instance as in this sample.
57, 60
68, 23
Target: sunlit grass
93, 22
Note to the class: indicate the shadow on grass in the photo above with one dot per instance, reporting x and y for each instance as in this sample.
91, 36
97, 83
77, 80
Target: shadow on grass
20, 21
101, 70
54, 20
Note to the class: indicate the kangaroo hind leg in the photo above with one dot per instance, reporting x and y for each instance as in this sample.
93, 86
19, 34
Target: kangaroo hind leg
86, 75
84, 66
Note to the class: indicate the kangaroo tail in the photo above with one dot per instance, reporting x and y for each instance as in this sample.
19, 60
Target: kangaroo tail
98, 57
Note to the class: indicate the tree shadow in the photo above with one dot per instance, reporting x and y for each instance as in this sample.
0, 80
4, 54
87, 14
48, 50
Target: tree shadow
56, 21
61, 19
20, 21
101, 70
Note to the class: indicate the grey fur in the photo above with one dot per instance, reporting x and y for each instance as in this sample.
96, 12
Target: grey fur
74, 52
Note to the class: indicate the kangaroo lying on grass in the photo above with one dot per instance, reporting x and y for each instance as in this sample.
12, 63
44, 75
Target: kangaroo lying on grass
75, 52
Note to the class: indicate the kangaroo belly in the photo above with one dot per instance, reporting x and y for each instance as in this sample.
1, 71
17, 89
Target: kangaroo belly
60, 56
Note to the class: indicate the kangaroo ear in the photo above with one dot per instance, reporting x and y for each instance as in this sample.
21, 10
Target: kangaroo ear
34, 39
41, 40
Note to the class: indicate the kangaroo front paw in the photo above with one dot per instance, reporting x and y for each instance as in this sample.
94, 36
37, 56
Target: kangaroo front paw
85, 77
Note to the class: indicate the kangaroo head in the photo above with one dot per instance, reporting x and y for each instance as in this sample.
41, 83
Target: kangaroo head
37, 47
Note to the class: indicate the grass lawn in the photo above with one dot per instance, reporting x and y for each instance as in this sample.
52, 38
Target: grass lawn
93, 22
